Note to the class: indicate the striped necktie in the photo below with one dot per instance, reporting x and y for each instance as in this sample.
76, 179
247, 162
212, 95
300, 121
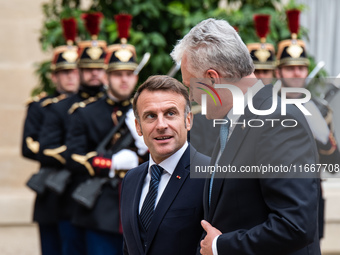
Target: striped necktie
150, 199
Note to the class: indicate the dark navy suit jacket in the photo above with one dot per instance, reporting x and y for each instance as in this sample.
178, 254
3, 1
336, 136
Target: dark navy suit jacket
266, 215
175, 227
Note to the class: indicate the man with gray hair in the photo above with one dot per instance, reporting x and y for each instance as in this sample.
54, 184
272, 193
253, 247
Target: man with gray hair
244, 213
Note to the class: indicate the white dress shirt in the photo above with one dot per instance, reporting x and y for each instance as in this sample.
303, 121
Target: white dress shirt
169, 166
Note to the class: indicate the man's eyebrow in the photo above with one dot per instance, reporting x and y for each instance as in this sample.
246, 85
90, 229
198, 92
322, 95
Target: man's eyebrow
173, 108
147, 113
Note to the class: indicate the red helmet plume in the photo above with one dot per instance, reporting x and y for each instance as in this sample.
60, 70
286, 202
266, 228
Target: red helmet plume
293, 20
69, 29
123, 24
92, 22
261, 25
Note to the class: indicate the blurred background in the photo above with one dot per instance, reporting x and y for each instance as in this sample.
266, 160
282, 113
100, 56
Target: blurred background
31, 29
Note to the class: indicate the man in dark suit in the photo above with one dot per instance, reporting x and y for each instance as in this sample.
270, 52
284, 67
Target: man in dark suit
247, 214
54, 130
66, 80
161, 206
292, 69
102, 145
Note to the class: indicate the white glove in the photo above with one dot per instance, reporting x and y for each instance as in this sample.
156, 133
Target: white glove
123, 160
317, 123
139, 141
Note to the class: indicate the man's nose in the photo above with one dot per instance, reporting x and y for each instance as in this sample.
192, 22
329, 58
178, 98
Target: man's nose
161, 123
297, 72
95, 71
125, 77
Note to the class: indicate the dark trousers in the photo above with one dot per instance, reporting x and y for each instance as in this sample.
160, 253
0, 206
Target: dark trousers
103, 243
72, 239
50, 239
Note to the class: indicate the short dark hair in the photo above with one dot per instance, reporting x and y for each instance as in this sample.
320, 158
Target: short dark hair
163, 83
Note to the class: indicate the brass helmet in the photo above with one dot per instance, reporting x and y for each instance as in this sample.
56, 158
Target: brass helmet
92, 53
122, 56
263, 54
292, 51
65, 56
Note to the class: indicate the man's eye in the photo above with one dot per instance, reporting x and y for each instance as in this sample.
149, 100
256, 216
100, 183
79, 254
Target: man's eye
150, 116
171, 113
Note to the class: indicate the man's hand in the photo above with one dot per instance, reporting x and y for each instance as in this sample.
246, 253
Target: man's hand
206, 243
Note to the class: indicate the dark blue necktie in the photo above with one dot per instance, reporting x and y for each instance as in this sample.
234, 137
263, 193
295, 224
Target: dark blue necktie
224, 132
148, 207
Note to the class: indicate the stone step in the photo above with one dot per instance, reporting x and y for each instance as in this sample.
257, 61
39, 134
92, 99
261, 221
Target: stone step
16, 206
19, 239
19, 236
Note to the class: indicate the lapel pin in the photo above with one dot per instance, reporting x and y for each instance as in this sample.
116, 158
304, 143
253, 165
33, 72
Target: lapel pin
178, 177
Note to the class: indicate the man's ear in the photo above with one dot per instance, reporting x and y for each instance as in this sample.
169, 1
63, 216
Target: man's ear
105, 79
189, 120
213, 76
54, 78
136, 79
277, 73
138, 128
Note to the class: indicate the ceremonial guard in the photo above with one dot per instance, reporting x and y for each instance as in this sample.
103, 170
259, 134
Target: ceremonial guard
263, 54
292, 69
66, 79
52, 146
102, 144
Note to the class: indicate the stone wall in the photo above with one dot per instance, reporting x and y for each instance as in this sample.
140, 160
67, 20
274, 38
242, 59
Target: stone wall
20, 22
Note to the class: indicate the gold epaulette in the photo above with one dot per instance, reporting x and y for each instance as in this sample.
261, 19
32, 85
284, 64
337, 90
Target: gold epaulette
55, 153
196, 109
333, 146
32, 145
36, 98
83, 160
82, 104
53, 100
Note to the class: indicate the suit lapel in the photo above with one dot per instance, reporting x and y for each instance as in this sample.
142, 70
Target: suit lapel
215, 151
135, 210
233, 145
207, 181
173, 187
226, 159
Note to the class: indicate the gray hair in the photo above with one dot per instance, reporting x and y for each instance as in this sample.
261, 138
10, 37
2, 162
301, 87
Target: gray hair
214, 44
